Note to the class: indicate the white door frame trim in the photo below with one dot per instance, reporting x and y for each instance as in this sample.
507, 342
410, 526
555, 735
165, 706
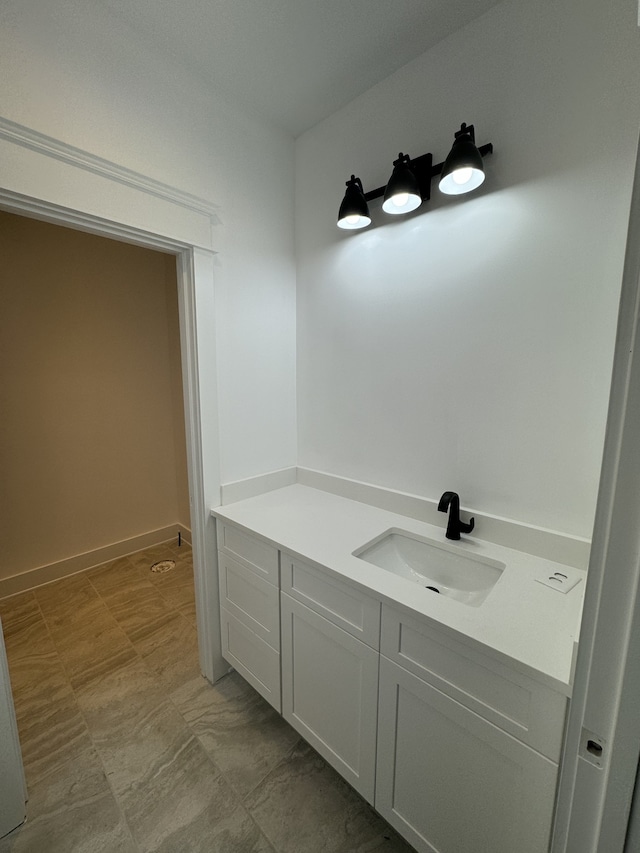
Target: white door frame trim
27, 137
191, 280
596, 790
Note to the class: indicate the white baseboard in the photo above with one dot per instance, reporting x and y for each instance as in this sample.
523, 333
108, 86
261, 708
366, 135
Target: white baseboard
81, 562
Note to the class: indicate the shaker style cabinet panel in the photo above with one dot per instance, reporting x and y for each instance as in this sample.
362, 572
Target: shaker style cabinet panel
355, 611
256, 661
260, 556
526, 709
248, 576
330, 692
451, 782
251, 599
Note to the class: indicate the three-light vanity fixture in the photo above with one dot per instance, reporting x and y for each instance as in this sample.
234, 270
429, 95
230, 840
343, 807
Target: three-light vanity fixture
410, 182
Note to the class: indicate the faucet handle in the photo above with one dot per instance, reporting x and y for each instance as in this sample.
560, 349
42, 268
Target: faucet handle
467, 527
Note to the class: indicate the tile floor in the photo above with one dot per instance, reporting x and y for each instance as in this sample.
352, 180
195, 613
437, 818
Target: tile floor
127, 748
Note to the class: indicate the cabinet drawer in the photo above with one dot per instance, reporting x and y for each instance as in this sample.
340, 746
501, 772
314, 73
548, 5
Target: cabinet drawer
256, 661
515, 703
259, 556
250, 598
346, 606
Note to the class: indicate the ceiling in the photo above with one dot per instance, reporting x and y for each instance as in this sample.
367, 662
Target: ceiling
295, 61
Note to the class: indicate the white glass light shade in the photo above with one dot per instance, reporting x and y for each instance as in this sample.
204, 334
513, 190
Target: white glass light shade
461, 181
353, 221
401, 202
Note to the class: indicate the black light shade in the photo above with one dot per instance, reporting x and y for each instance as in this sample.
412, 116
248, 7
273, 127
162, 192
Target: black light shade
409, 186
354, 211
402, 194
463, 170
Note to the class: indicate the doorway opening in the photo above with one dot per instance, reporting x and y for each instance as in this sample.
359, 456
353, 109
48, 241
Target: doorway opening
194, 268
93, 443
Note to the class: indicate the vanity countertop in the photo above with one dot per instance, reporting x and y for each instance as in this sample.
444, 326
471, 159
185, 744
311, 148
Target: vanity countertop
531, 625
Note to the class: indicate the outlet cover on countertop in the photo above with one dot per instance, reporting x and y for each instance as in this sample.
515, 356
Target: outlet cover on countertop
563, 580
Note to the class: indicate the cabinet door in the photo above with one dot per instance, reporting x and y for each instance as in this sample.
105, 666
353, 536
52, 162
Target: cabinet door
449, 781
329, 692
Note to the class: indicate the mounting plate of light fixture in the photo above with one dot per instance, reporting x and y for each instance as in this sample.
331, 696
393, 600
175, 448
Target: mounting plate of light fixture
410, 183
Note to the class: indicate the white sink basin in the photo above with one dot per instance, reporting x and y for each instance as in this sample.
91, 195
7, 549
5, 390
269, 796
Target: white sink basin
438, 566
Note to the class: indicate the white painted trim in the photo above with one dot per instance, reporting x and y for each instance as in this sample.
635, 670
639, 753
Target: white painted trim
27, 137
205, 555
548, 544
252, 486
47, 212
183, 221
81, 562
594, 802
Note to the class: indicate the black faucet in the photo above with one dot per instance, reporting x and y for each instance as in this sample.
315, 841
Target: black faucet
455, 527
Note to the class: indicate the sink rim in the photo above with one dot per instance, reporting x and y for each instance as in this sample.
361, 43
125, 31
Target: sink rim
460, 592
456, 550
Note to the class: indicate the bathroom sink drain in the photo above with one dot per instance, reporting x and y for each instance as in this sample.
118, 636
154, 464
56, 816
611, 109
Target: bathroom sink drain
163, 566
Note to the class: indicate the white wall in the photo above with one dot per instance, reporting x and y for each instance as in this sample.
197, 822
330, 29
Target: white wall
470, 347
74, 71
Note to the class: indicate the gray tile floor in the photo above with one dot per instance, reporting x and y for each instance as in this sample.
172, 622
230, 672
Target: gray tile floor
127, 748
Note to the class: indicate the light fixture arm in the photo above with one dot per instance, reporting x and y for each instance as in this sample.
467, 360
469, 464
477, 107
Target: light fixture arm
353, 181
422, 169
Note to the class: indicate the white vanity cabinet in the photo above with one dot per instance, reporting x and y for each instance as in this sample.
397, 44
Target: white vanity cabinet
455, 744
330, 669
451, 775
248, 572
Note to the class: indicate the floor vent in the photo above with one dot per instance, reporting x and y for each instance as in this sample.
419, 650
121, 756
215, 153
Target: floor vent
163, 566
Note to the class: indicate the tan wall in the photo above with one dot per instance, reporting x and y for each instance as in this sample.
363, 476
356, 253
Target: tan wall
92, 446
